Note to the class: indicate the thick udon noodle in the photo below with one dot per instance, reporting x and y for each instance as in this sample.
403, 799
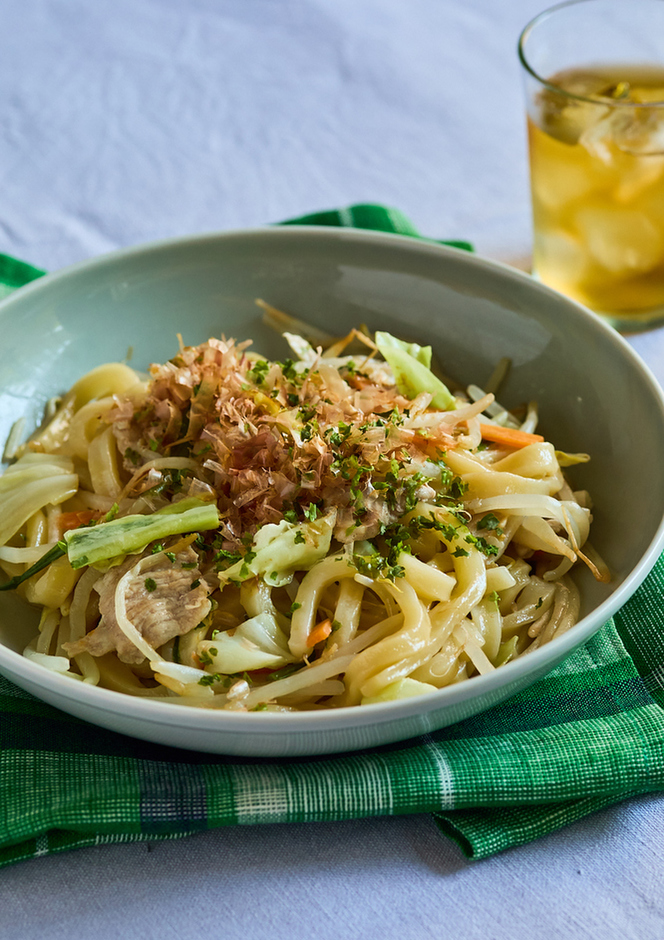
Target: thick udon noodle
371, 544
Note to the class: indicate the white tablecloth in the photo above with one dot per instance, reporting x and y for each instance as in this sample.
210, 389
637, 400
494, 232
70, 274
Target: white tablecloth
123, 121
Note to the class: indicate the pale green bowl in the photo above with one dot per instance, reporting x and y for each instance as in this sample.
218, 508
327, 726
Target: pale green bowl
594, 393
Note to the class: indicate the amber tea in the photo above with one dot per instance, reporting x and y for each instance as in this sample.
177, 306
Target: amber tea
597, 174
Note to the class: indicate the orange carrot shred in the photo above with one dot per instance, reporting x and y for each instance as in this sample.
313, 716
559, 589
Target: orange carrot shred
510, 437
72, 520
320, 632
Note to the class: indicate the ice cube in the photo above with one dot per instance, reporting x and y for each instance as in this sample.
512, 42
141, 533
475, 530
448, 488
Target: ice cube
638, 131
623, 241
559, 258
639, 176
559, 185
566, 119
641, 131
599, 136
562, 174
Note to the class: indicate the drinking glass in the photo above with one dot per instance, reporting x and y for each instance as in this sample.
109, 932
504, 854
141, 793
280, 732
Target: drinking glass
594, 82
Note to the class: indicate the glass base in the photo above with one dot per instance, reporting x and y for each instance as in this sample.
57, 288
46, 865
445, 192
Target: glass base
633, 322
624, 321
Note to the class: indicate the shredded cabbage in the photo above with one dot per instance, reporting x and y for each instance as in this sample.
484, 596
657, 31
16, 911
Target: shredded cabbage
410, 365
258, 643
130, 534
280, 549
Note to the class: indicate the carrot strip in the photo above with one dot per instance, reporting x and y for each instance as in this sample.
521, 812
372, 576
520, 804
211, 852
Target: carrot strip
510, 437
72, 520
319, 633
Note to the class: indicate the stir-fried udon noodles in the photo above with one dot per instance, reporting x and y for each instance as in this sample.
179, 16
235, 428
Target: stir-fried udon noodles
333, 529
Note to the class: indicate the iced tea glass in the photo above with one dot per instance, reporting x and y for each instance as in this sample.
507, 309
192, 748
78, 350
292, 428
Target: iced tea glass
594, 79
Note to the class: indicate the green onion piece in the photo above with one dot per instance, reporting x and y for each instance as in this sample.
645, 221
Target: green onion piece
56, 552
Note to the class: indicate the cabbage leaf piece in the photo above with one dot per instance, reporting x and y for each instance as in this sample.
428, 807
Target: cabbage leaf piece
399, 689
410, 365
281, 549
130, 534
258, 643
127, 535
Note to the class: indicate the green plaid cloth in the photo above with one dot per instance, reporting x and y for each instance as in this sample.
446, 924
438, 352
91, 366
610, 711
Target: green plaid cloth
589, 734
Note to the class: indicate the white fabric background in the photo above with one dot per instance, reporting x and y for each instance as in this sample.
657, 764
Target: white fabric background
123, 121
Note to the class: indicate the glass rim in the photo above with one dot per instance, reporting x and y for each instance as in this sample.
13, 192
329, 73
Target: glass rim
523, 37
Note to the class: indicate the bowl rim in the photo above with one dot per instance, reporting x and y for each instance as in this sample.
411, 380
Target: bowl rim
161, 711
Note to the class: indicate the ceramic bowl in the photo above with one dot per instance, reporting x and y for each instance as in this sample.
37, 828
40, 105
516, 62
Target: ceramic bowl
594, 394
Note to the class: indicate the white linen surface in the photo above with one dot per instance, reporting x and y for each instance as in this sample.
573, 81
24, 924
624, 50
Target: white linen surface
132, 120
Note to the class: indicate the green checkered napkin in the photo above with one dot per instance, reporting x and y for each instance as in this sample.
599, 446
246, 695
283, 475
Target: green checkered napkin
590, 734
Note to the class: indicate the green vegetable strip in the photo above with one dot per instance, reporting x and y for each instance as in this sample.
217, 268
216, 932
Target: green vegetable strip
131, 534
56, 552
410, 365
88, 545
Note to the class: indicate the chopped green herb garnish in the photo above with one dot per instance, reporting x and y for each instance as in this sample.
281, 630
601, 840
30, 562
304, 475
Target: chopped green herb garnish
206, 656
246, 561
457, 488
226, 558
490, 521
308, 431
377, 566
258, 371
481, 543
306, 412
288, 370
